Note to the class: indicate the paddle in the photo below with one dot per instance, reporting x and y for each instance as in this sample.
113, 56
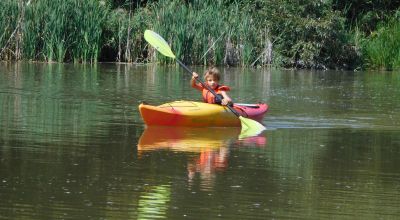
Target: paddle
249, 126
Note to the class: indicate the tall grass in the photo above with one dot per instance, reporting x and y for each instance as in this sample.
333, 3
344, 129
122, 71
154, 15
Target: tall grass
9, 11
124, 33
205, 32
210, 32
54, 30
205, 26
382, 48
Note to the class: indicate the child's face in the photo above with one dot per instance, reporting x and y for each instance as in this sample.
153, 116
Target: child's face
212, 82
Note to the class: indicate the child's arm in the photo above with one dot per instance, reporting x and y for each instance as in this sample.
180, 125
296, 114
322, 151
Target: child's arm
193, 82
226, 99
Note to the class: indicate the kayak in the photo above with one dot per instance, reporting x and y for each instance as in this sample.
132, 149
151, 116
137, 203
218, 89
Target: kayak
199, 114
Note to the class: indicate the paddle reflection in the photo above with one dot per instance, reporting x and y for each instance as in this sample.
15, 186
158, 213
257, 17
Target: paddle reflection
153, 204
211, 144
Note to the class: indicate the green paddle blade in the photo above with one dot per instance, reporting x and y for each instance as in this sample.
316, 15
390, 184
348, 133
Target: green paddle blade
159, 43
250, 128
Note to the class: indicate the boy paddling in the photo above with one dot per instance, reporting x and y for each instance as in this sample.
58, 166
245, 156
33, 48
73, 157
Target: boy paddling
211, 78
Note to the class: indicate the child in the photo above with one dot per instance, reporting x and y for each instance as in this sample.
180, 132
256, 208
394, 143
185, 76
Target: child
211, 78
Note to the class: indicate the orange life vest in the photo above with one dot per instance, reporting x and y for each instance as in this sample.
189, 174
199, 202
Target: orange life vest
208, 97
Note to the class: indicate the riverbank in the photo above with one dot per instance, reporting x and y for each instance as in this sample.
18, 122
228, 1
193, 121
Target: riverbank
322, 35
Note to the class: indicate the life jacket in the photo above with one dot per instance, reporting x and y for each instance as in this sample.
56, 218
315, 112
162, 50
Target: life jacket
210, 98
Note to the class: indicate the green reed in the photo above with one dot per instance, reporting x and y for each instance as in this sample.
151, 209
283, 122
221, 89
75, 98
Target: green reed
55, 30
124, 33
9, 11
199, 31
382, 48
201, 26
205, 32
88, 40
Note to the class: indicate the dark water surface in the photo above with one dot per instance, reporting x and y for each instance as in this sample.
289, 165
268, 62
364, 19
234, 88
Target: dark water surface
73, 146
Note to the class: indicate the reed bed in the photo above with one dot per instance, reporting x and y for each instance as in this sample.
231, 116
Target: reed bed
206, 32
9, 11
124, 34
53, 30
200, 32
382, 49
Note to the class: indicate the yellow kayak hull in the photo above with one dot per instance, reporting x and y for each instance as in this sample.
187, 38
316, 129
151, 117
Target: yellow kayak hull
198, 114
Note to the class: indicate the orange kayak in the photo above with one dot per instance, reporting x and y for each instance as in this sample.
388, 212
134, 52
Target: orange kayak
199, 114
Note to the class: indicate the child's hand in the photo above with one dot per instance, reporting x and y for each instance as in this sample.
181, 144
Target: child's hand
226, 101
195, 75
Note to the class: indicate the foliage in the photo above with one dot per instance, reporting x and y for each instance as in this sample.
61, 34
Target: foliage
54, 30
284, 33
123, 34
366, 15
205, 32
381, 48
8, 26
307, 34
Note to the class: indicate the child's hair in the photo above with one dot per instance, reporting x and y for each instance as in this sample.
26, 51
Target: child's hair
212, 71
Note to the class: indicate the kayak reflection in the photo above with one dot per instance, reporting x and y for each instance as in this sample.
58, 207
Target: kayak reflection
210, 145
185, 138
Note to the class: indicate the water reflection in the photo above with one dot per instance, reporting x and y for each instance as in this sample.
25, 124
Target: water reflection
186, 139
68, 135
153, 204
205, 167
210, 147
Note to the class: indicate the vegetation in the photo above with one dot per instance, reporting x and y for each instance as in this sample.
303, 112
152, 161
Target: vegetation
382, 47
52, 30
306, 33
346, 34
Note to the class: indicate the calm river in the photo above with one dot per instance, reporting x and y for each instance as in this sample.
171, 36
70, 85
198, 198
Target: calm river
73, 146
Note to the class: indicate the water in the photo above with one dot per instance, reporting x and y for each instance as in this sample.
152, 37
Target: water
73, 146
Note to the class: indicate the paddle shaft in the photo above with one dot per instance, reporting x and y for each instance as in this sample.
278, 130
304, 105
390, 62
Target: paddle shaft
207, 87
